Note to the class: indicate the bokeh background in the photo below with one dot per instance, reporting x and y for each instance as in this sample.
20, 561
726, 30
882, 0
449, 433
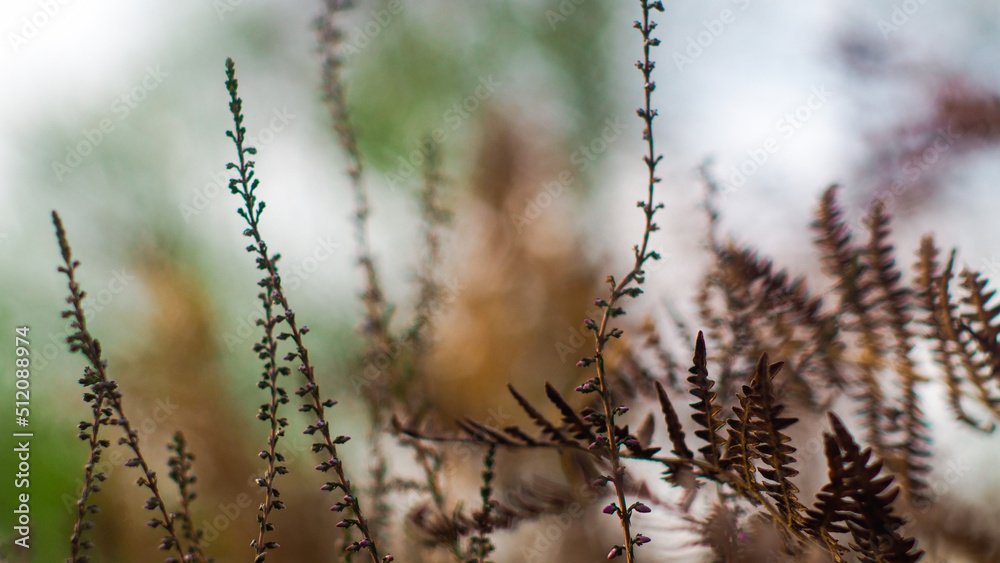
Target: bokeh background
896, 100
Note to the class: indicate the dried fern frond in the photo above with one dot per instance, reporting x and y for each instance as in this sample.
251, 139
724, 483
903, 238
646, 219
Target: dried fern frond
674, 428
740, 450
520, 504
933, 297
871, 520
548, 429
764, 309
773, 444
955, 348
832, 503
893, 305
706, 408
842, 259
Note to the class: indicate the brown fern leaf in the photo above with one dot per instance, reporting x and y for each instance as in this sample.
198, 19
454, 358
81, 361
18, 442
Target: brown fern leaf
933, 296
775, 450
832, 503
981, 318
706, 407
547, 427
531, 500
677, 438
973, 363
949, 350
760, 308
720, 532
740, 449
786, 305
434, 528
517, 433
674, 428
894, 304
519, 504
483, 433
871, 521
842, 260
652, 340
580, 428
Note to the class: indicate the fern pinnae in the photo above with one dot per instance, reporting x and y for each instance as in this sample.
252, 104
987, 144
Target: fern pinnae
895, 302
484, 433
980, 318
580, 428
871, 520
706, 408
842, 260
773, 444
674, 428
950, 322
518, 434
740, 448
932, 290
830, 508
543, 423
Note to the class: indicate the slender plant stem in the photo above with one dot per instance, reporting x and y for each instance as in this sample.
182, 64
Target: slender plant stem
268, 348
622, 288
244, 185
96, 375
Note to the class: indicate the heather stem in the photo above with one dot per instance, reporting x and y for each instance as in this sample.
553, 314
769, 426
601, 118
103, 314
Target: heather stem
622, 288
181, 474
96, 376
244, 185
268, 350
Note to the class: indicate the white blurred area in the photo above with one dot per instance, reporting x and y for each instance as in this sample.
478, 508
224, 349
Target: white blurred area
729, 76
